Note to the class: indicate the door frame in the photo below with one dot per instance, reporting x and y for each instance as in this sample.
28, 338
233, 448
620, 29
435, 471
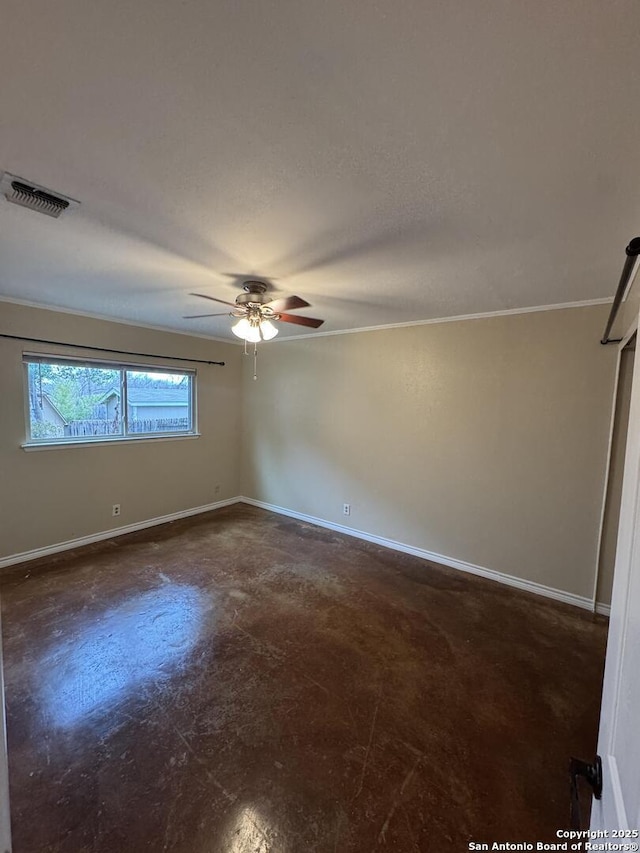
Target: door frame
627, 559
631, 331
5, 814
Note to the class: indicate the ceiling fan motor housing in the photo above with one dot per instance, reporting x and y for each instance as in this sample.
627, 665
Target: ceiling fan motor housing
255, 307
255, 293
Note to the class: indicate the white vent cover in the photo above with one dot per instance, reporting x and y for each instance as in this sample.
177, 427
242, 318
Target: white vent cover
27, 194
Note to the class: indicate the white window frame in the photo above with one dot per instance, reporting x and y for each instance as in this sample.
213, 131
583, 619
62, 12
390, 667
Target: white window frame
123, 366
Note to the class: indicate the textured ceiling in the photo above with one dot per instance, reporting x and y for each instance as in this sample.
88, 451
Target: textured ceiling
388, 162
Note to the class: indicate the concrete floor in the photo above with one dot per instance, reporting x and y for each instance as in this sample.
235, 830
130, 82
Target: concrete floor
240, 682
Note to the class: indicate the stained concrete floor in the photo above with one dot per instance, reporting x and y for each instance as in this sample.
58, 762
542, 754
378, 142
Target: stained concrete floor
239, 682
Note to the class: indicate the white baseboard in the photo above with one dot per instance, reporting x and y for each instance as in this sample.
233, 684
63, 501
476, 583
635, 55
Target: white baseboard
47, 551
462, 565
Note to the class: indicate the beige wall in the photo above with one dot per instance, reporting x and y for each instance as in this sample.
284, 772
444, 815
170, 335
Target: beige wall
54, 495
482, 440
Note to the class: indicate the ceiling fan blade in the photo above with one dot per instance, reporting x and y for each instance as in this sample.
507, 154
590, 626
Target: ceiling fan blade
301, 321
197, 316
287, 303
213, 299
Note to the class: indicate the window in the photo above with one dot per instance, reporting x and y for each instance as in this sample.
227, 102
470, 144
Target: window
76, 401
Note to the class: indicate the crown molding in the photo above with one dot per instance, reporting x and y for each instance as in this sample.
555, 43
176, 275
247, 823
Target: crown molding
507, 312
73, 311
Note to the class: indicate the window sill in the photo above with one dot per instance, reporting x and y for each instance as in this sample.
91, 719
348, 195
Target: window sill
97, 442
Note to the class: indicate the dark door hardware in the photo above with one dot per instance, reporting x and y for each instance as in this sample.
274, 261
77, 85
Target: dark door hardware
626, 280
593, 774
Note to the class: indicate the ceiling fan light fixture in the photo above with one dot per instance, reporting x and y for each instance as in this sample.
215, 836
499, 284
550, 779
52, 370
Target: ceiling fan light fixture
268, 330
242, 329
247, 328
254, 313
253, 335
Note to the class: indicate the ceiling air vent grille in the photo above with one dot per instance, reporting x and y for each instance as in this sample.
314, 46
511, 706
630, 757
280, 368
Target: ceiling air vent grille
27, 194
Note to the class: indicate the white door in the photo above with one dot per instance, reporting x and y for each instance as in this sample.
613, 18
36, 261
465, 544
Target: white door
619, 738
5, 825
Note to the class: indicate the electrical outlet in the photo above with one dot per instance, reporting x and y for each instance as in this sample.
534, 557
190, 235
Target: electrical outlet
216, 489
346, 509
115, 510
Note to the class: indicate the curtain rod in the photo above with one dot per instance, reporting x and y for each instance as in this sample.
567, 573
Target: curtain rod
114, 351
626, 280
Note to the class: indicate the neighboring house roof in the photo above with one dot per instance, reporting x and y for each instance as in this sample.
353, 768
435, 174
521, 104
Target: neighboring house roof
112, 392
151, 396
168, 396
55, 408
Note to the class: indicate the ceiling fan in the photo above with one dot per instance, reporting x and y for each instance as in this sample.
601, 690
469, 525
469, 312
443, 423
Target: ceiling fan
256, 312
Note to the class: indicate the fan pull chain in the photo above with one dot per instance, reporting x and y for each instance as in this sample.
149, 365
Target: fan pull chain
255, 358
